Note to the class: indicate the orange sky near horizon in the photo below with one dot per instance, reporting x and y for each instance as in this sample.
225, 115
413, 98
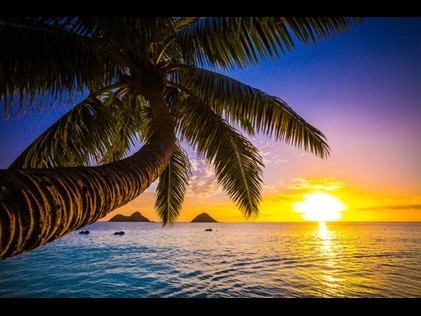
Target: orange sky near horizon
365, 199
362, 204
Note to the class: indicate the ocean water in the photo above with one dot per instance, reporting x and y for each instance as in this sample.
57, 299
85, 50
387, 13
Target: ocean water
234, 260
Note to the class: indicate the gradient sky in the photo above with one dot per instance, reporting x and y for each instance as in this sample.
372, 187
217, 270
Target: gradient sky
362, 89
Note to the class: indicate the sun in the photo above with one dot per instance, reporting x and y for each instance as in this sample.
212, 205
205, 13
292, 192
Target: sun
320, 207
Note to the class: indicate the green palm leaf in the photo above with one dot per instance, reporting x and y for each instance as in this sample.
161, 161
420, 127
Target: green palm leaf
254, 110
92, 132
131, 123
38, 66
238, 164
172, 186
229, 42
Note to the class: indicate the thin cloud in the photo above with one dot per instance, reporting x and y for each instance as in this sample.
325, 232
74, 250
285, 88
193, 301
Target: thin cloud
203, 182
280, 197
328, 184
269, 152
391, 207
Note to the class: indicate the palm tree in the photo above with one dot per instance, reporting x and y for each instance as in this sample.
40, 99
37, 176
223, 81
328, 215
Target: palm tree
149, 81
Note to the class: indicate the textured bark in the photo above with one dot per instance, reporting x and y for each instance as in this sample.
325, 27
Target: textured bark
38, 206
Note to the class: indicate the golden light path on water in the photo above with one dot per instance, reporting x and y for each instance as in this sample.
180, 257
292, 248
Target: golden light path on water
325, 248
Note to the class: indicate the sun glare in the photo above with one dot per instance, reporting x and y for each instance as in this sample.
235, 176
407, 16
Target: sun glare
320, 207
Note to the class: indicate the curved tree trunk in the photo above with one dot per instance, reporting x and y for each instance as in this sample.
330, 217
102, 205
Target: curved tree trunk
40, 205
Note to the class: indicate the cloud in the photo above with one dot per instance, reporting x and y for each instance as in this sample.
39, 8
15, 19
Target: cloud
269, 152
328, 184
273, 189
203, 182
391, 207
280, 197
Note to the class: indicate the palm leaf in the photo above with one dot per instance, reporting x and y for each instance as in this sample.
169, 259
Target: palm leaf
253, 110
42, 62
229, 42
172, 186
238, 164
131, 123
93, 131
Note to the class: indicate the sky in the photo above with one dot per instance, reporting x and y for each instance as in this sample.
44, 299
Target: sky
361, 88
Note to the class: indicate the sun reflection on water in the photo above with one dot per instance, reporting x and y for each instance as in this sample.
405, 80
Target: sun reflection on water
325, 242
328, 253
324, 232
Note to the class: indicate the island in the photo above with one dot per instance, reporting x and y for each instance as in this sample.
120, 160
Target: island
204, 218
135, 217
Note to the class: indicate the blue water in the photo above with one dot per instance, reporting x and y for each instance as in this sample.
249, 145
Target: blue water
234, 260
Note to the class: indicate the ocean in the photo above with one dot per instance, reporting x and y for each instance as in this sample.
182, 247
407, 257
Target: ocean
222, 260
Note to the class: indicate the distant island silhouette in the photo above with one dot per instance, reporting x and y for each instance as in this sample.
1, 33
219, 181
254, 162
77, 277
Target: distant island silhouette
135, 217
204, 218
138, 217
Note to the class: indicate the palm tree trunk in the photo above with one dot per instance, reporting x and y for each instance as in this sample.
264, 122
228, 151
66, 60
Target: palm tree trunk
38, 206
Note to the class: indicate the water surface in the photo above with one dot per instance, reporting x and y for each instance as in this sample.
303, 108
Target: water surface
234, 260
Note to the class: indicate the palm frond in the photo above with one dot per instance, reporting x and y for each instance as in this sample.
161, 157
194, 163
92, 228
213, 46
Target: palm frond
131, 122
184, 21
238, 164
41, 61
254, 110
172, 186
310, 30
229, 42
92, 132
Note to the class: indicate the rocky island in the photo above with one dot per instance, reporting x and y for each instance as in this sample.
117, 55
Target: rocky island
204, 218
135, 217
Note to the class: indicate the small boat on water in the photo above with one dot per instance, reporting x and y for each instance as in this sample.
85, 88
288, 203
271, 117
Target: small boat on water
84, 232
208, 229
119, 233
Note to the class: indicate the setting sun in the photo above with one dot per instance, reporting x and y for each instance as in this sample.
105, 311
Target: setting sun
320, 207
